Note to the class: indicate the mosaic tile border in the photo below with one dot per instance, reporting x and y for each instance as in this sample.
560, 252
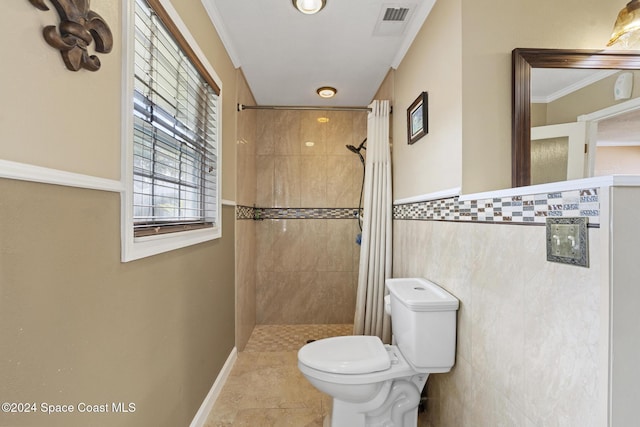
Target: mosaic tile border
526, 209
244, 212
247, 212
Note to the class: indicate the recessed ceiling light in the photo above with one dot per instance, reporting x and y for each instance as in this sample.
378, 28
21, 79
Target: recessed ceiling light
327, 92
309, 7
323, 119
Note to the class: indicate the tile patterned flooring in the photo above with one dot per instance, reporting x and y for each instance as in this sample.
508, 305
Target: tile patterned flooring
265, 388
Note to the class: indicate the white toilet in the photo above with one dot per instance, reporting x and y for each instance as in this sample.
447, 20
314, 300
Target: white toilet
373, 384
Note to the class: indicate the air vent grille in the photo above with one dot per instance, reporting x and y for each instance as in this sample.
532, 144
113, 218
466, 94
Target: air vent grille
395, 14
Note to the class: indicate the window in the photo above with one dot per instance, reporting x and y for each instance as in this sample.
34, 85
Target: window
172, 149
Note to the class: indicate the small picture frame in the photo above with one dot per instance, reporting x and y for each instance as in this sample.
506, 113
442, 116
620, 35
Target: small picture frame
418, 118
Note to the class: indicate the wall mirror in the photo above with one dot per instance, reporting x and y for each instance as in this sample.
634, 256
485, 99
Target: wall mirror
525, 62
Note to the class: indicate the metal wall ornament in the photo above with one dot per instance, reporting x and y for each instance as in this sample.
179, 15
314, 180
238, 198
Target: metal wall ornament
78, 27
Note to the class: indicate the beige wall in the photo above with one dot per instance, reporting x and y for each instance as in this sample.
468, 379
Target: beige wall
53, 117
307, 268
432, 64
490, 31
77, 325
462, 57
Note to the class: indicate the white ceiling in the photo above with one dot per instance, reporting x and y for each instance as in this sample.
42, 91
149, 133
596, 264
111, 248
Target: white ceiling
286, 55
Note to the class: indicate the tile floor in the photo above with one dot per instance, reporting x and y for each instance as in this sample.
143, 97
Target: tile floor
266, 389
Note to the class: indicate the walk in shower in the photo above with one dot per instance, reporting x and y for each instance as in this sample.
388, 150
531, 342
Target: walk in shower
305, 213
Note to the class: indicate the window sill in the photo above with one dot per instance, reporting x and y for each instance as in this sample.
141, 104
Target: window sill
135, 248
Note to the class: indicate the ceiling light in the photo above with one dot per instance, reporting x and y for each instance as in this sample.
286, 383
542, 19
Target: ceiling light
626, 29
323, 119
329, 92
309, 7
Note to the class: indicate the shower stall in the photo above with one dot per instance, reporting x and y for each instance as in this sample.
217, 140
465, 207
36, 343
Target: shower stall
304, 215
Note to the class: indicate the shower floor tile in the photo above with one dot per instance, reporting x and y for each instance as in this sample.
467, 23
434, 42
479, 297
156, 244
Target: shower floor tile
291, 337
265, 387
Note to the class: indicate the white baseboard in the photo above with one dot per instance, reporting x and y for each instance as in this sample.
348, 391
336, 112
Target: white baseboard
214, 393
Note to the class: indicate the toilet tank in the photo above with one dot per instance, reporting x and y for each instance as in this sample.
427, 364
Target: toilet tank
423, 319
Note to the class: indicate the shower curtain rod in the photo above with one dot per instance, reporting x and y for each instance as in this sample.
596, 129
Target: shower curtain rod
242, 107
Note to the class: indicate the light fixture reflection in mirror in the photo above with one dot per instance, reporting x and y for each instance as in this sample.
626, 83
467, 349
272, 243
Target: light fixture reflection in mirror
523, 60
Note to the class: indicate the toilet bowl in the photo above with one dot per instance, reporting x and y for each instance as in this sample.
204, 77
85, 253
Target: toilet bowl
358, 392
373, 384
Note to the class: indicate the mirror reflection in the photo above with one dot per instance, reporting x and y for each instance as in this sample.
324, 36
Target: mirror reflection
576, 114
560, 143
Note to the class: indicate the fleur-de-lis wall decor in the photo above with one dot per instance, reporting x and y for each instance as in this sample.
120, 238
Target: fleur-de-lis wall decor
78, 27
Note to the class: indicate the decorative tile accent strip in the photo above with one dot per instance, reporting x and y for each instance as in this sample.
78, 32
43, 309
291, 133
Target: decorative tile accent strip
306, 213
527, 209
246, 212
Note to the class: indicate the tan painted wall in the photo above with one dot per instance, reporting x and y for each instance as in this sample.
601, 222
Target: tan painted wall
462, 57
50, 116
432, 64
77, 325
490, 31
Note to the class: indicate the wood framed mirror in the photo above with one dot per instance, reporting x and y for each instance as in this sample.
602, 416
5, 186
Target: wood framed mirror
523, 60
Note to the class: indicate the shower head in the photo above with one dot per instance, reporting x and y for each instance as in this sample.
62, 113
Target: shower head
360, 147
353, 149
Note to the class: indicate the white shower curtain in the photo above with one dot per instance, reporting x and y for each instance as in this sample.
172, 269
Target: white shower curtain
375, 252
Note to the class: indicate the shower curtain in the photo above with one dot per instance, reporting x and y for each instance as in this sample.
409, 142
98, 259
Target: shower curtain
375, 250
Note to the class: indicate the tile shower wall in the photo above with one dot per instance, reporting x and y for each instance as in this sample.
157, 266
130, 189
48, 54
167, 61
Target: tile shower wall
245, 230
528, 330
307, 189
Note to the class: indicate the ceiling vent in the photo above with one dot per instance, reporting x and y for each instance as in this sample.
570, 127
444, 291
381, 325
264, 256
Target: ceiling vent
393, 19
395, 14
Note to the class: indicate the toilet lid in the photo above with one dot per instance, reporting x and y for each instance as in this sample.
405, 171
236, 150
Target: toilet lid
346, 355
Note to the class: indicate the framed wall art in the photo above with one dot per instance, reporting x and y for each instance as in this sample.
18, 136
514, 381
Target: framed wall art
418, 118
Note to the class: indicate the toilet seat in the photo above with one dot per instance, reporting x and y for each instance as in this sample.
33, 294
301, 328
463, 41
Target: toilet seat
312, 360
357, 354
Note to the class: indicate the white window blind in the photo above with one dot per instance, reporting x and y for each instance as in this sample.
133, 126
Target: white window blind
175, 135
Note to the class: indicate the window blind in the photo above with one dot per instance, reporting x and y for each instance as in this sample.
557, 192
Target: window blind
175, 135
